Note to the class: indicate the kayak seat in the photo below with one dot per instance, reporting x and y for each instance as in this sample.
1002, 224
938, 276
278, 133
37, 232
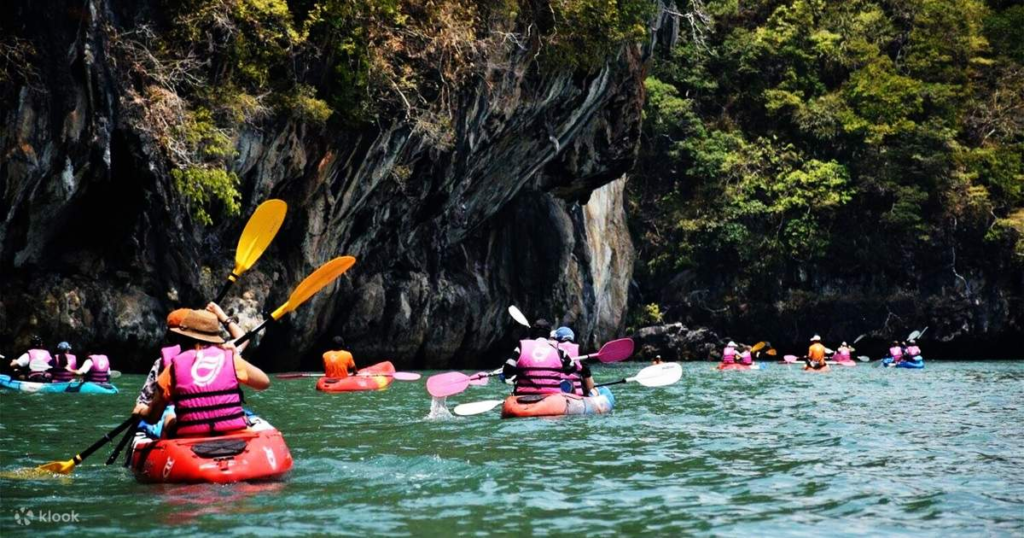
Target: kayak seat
222, 448
531, 398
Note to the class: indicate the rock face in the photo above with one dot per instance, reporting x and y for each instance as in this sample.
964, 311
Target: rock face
525, 208
676, 342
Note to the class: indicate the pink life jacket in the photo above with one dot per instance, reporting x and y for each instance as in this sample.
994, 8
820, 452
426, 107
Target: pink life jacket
729, 355
166, 354
100, 370
207, 396
913, 352
896, 352
843, 355
39, 360
63, 363
745, 358
573, 375
539, 368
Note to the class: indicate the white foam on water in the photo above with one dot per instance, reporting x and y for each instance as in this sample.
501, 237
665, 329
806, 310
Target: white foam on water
439, 409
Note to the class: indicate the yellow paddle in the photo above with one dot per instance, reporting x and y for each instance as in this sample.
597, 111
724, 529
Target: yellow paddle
65, 467
313, 283
256, 237
758, 346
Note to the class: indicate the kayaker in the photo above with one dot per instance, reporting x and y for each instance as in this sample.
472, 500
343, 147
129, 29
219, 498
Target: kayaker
203, 380
729, 353
540, 330
896, 352
36, 360
95, 369
745, 357
657, 360
64, 364
573, 371
913, 352
816, 354
338, 363
844, 353
175, 343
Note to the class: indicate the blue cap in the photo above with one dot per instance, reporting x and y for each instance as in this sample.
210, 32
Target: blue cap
63, 346
565, 334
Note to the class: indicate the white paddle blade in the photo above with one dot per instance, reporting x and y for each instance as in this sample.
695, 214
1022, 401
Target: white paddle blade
659, 375
476, 408
518, 316
914, 335
863, 358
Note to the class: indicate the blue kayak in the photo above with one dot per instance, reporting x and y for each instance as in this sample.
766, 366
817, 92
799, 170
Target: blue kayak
915, 363
82, 387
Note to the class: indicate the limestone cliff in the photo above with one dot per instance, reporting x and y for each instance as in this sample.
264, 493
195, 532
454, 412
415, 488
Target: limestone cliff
525, 206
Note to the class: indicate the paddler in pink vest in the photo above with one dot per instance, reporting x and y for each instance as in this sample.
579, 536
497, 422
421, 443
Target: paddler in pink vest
896, 352
574, 371
541, 363
203, 377
843, 354
95, 369
34, 364
746, 358
729, 353
913, 352
64, 364
175, 343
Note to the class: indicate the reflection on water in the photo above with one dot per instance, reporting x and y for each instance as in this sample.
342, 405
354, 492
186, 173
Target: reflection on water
858, 451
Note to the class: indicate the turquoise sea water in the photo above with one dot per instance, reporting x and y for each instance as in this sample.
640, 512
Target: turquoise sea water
860, 451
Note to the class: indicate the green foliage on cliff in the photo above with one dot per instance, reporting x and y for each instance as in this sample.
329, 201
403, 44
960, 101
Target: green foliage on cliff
789, 134
207, 68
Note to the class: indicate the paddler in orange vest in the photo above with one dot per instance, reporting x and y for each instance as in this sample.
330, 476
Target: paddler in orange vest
816, 355
338, 363
202, 376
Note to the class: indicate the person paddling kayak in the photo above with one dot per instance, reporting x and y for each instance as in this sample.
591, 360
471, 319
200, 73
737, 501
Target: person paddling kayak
729, 353
34, 365
338, 363
844, 354
202, 378
913, 351
64, 364
816, 355
95, 369
542, 363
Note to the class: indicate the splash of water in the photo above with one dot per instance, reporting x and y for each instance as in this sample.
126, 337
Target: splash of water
439, 409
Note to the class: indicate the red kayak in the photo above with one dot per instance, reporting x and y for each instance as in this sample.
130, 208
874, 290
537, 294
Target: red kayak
363, 380
738, 366
255, 453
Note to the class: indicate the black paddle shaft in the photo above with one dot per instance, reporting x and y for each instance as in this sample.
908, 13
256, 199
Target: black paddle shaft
107, 437
619, 382
248, 336
120, 446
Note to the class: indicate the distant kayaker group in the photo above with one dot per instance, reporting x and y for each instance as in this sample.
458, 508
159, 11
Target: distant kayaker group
819, 358
38, 365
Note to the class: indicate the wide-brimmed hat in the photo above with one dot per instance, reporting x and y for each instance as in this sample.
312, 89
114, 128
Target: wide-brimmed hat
731, 344
815, 338
197, 324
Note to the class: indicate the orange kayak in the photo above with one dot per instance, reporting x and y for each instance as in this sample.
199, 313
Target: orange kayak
558, 404
363, 380
255, 453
